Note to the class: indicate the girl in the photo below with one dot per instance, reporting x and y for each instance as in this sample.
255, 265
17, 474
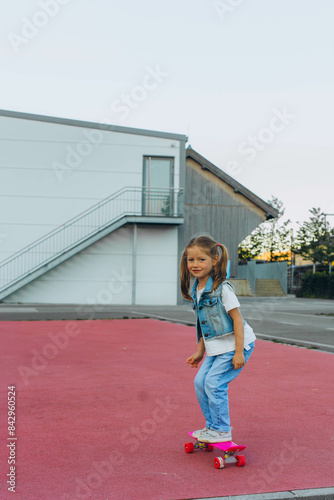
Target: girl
221, 331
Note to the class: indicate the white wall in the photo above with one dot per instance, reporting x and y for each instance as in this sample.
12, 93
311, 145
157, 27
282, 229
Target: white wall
52, 172
156, 266
103, 273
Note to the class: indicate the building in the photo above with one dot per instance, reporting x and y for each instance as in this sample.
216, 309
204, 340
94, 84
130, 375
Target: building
217, 204
99, 214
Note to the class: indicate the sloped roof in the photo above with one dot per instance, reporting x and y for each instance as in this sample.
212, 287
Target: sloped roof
270, 211
100, 126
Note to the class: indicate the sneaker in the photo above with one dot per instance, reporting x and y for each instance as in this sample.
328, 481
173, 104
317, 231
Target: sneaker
197, 434
211, 436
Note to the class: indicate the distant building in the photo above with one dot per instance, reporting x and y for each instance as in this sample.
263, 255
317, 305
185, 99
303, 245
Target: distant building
99, 214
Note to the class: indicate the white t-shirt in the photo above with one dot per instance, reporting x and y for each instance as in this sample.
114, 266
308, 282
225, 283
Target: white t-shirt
226, 343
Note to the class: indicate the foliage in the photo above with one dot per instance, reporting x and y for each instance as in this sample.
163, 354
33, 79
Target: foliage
272, 237
315, 239
251, 247
319, 285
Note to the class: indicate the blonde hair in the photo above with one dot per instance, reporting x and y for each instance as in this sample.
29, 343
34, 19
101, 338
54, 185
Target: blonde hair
211, 248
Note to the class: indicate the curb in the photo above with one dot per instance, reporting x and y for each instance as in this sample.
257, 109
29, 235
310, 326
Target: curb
311, 494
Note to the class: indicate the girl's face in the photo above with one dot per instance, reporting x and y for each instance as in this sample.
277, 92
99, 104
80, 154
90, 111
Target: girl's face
200, 264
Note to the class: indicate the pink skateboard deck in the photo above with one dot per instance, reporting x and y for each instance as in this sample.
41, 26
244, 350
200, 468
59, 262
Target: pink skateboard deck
229, 448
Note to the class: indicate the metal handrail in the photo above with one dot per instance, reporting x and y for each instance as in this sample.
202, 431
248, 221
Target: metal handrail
137, 201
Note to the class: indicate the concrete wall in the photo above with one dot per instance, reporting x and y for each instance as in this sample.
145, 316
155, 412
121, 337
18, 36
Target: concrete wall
242, 288
129, 266
271, 270
51, 172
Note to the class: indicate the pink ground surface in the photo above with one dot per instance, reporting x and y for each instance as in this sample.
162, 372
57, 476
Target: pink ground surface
104, 408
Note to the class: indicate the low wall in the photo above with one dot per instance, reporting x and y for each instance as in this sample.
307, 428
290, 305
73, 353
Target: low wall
242, 287
270, 270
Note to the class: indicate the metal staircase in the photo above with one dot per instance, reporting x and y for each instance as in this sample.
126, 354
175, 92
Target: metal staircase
130, 204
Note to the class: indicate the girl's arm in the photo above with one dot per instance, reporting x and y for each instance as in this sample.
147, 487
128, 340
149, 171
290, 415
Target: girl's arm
198, 356
238, 360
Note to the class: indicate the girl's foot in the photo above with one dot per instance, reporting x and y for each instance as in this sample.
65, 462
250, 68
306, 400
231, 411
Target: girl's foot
211, 436
197, 434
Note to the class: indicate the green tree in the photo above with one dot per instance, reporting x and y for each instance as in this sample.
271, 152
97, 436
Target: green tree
315, 239
278, 239
272, 236
250, 247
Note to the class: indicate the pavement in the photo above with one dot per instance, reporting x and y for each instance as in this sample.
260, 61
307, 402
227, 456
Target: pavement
303, 390
315, 494
304, 322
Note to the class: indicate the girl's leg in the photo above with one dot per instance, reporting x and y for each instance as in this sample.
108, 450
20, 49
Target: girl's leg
221, 373
200, 389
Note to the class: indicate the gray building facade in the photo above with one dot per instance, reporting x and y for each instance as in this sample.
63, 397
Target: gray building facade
218, 205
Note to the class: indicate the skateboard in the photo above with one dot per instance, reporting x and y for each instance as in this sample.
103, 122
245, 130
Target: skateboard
229, 448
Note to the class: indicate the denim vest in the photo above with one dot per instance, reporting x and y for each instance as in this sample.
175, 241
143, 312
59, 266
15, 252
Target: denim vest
212, 319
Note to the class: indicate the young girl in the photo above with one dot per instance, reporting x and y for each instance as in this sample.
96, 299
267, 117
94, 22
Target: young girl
221, 331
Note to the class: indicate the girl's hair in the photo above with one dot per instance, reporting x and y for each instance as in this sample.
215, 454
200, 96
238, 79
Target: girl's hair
211, 248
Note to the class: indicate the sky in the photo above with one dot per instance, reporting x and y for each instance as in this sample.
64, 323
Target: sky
250, 82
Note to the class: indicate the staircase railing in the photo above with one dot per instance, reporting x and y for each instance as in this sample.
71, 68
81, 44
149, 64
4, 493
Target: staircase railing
129, 201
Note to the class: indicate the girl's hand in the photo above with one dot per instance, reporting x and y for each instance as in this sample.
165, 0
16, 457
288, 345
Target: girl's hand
195, 359
238, 360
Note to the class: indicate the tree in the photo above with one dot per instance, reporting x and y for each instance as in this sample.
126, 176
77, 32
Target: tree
330, 248
315, 239
272, 237
251, 247
279, 233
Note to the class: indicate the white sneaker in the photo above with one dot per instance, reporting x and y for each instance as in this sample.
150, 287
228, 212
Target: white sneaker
211, 436
197, 434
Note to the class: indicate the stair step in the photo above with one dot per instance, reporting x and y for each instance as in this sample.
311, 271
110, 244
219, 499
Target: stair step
268, 288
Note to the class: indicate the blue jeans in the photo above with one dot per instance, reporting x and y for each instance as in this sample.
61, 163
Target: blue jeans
211, 386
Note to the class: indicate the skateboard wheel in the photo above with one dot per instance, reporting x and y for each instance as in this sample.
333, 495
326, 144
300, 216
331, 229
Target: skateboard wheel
189, 447
241, 460
219, 462
210, 447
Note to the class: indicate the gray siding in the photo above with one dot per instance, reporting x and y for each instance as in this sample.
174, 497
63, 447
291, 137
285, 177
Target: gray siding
212, 207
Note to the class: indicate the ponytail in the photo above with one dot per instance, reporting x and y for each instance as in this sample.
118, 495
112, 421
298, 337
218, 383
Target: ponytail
220, 270
185, 275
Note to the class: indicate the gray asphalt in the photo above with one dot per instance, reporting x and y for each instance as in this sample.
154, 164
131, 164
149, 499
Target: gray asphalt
304, 322
314, 494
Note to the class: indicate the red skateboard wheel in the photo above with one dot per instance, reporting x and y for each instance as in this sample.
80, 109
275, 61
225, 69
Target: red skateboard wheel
189, 447
241, 460
219, 462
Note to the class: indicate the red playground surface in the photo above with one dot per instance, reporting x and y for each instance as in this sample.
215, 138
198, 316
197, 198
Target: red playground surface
103, 409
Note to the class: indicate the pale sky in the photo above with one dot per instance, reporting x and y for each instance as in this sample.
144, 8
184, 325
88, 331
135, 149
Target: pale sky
251, 82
